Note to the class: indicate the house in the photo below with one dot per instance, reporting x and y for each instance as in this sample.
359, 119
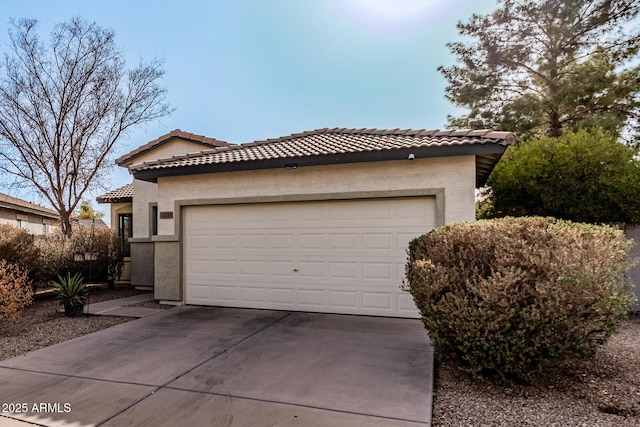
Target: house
121, 201
90, 223
34, 218
314, 221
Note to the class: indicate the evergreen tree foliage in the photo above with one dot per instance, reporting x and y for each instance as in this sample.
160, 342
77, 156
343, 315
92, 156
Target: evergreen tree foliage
541, 67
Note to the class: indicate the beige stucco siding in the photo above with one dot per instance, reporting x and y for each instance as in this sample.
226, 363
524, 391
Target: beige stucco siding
146, 193
456, 175
32, 223
450, 179
118, 209
168, 149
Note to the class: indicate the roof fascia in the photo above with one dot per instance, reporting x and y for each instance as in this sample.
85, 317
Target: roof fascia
152, 175
24, 209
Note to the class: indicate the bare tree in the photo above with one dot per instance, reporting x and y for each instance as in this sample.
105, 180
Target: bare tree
64, 107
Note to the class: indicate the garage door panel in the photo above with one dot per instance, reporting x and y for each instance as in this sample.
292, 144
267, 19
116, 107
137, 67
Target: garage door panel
200, 242
199, 267
343, 270
252, 241
281, 296
281, 241
312, 299
252, 294
308, 241
252, 267
284, 268
377, 241
224, 241
333, 256
341, 241
312, 269
378, 271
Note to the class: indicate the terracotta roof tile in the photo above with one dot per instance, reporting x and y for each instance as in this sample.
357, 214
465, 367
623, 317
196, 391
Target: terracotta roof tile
330, 141
122, 194
177, 133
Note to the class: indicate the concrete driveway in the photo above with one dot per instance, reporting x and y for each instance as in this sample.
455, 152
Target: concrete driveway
196, 366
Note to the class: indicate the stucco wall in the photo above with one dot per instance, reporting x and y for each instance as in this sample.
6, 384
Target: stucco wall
146, 194
168, 149
32, 223
142, 260
456, 175
452, 176
117, 209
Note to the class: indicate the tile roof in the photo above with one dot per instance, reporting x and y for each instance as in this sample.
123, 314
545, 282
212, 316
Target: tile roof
96, 223
323, 142
177, 133
20, 205
122, 194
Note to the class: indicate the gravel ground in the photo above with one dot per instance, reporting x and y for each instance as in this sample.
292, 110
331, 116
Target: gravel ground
42, 326
601, 392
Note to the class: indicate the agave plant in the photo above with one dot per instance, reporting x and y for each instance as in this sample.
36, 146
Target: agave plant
72, 293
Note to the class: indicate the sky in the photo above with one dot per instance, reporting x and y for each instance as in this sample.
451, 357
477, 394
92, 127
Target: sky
246, 70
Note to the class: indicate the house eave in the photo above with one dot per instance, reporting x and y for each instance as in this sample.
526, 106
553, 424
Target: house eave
26, 210
486, 151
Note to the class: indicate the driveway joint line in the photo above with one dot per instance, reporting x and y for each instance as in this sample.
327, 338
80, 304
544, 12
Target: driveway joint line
219, 353
79, 377
215, 355
22, 421
300, 405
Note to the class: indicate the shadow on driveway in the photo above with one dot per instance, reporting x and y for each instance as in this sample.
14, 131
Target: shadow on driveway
198, 366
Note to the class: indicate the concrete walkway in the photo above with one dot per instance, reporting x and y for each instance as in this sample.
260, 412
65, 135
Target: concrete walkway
210, 366
118, 307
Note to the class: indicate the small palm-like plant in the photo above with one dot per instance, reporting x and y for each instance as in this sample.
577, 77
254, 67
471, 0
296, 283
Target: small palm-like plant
72, 293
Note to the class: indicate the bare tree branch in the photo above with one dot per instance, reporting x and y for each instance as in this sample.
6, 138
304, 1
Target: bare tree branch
63, 109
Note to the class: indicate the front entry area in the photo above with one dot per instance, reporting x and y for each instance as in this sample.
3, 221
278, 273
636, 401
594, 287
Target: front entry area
337, 256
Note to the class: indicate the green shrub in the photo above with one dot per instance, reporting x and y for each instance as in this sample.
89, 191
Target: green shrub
514, 296
71, 292
15, 291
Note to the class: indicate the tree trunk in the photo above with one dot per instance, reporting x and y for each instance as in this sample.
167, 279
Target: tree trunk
555, 127
65, 223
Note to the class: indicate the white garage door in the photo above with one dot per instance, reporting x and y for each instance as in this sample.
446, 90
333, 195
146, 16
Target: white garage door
332, 256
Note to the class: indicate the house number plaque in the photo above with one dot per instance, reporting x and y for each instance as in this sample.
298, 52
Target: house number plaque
166, 215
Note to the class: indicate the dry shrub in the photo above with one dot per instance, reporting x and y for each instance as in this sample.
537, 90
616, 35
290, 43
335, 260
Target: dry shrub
15, 291
55, 257
60, 255
514, 296
17, 246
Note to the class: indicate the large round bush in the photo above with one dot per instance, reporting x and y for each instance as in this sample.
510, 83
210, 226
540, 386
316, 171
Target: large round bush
513, 296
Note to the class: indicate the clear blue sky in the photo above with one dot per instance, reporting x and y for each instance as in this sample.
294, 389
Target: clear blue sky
243, 70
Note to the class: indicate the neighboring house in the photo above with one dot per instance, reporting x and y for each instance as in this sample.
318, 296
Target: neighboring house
315, 221
36, 219
95, 223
